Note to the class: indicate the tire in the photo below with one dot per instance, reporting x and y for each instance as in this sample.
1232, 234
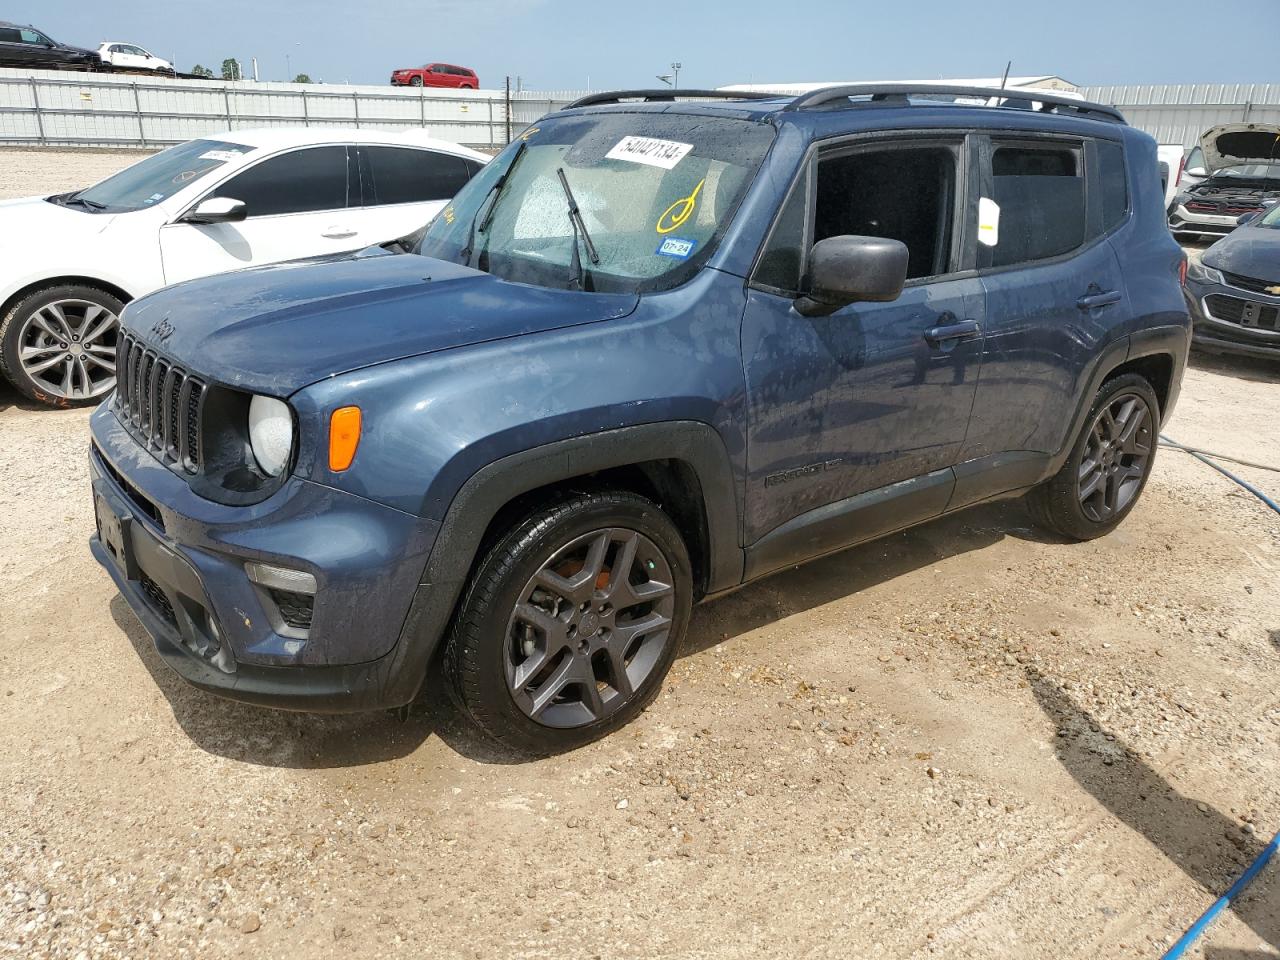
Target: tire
1108, 467
528, 665
37, 327
415, 81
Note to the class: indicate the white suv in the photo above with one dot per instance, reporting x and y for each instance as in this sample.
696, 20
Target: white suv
238, 199
130, 56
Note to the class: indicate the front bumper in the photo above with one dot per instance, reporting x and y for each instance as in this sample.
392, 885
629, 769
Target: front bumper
179, 561
1182, 220
1229, 319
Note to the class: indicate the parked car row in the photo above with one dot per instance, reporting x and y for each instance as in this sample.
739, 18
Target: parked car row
25, 46
649, 353
239, 199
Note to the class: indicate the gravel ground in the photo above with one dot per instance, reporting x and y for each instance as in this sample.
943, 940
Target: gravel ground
969, 740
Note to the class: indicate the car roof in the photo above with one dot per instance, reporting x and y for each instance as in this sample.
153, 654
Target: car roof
282, 138
823, 113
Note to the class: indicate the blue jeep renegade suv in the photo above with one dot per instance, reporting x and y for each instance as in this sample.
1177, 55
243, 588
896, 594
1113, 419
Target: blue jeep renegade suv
655, 350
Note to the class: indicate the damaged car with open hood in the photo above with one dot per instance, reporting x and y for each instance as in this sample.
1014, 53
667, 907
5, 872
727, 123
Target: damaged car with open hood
1241, 174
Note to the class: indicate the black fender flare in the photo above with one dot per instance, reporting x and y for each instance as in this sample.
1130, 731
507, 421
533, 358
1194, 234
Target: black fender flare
492, 487
1173, 341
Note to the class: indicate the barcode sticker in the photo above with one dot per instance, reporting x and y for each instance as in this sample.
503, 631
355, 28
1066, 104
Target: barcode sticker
650, 151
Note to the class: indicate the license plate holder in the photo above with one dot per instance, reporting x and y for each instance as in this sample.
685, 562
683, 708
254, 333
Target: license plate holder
114, 523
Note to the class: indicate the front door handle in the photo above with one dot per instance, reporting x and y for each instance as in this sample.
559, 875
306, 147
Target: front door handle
1098, 298
338, 233
953, 330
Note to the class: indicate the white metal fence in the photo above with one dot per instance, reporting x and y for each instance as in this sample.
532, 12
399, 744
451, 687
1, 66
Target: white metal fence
52, 107
90, 109
1179, 113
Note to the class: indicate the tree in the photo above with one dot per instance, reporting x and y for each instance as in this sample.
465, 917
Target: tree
302, 78
231, 69
203, 72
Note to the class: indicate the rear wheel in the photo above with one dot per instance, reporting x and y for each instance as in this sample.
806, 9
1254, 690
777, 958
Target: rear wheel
1108, 466
58, 345
571, 622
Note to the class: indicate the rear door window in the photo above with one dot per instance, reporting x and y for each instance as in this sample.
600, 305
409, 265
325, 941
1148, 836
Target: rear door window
300, 181
1040, 203
406, 175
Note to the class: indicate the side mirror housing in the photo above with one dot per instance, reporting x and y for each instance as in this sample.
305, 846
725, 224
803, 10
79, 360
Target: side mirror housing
849, 269
217, 210
1196, 172
1247, 218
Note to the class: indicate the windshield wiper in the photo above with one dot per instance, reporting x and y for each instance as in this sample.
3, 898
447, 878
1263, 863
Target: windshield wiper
80, 201
479, 224
576, 275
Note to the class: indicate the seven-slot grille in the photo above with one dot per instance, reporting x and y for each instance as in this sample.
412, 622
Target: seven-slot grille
160, 403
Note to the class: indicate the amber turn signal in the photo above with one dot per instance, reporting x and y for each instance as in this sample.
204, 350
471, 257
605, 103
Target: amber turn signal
344, 437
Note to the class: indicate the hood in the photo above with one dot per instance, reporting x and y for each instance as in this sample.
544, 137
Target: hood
32, 220
1230, 143
277, 329
1248, 251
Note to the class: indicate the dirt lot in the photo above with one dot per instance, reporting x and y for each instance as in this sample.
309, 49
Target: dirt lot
966, 741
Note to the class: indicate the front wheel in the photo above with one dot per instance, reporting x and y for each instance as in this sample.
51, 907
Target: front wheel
415, 81
58, 345
571, 622
1108, 466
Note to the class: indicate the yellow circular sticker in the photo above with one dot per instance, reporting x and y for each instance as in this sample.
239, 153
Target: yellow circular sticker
675, 215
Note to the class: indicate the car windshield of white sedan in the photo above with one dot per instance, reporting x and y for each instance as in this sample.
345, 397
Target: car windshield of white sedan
653, 194
1250, 171
156, 178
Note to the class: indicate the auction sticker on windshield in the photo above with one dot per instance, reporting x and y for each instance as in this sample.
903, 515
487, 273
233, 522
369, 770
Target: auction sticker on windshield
650, 151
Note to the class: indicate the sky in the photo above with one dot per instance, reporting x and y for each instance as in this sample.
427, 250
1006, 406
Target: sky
604, 44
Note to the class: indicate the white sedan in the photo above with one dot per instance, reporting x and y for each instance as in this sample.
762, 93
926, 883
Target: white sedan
130, 56
70, 262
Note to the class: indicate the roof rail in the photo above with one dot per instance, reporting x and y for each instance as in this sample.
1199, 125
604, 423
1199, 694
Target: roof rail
667, 96
879, 92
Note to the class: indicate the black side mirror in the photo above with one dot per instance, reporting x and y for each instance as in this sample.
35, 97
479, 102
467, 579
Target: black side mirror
848, 269
1248, 218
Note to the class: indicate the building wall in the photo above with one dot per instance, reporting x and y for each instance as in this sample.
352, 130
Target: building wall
1179, 113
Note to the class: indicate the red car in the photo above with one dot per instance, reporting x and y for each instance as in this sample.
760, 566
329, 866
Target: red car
436, 75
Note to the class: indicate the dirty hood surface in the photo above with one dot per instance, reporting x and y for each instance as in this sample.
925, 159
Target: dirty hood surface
1248, 251
277, 329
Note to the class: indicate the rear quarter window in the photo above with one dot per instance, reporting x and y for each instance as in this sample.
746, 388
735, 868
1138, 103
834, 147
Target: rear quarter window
1040, 190
1113, 183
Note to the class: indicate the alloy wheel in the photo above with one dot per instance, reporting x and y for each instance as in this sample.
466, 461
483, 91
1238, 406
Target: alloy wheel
68, 348
589, 628
1115, 457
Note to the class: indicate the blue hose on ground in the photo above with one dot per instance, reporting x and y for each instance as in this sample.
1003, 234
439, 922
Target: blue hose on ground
1196, 929
1204, 456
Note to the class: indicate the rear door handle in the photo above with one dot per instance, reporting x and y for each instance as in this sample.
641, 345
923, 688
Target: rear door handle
338, 233
1091, 301
956, 330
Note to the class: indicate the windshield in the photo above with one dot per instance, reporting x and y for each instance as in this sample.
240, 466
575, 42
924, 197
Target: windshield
1250, 171
1269, 219
156, 178
654, 194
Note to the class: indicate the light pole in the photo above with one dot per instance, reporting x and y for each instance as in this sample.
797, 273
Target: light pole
675, 69
288, 65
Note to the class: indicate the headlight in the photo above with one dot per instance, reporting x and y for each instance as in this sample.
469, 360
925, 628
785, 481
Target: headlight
1198, 271
270, 434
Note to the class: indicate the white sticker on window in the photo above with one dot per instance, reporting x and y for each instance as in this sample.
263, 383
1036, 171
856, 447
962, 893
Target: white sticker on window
988, 222
222, 156
650, 151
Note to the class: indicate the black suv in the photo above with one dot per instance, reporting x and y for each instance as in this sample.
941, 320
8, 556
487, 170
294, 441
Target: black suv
654, 350
25, 46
